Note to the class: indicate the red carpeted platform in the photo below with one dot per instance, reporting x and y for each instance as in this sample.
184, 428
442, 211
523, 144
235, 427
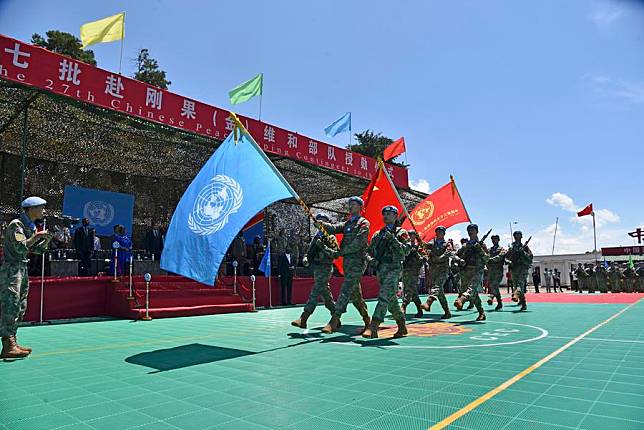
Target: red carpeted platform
568, 297
170, 296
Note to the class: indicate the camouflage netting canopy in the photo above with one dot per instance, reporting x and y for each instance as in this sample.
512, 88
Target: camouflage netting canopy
72, 143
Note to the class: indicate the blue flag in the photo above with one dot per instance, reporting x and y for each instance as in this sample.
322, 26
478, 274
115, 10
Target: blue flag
265, 264
237, 182
340, 125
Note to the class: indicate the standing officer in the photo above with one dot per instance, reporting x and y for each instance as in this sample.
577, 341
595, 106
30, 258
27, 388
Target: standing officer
640, 277
520, 258
20, 239
629, 278
582, 277
440, 252
415, 260
472, 258
353, 249
320, 257
495, 272
388, 248
591, 280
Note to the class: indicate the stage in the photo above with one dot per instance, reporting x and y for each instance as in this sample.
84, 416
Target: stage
170, 296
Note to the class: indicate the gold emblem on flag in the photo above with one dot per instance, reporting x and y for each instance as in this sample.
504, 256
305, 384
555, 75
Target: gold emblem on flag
425, 210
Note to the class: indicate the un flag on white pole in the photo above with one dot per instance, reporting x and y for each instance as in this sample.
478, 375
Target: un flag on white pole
237, 182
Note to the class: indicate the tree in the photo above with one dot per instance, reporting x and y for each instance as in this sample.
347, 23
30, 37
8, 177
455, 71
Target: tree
372, 145
148, 71
64, 43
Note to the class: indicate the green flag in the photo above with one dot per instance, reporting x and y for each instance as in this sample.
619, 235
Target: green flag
247, 90
630, 262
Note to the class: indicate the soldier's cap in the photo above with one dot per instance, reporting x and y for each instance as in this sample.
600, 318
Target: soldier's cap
472, 227
356, 199
33, 202
390, 208
517, 233
440, 228
322, 216
495, 236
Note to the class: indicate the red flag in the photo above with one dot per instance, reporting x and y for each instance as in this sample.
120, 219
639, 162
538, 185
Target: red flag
443, 207
588, 210
395, 149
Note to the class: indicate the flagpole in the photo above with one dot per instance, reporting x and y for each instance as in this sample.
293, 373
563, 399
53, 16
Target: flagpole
261, 95
350, 121
122, 42
554, 239
381, 164
594, 236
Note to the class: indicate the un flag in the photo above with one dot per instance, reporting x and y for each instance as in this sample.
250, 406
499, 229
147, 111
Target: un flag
237, 182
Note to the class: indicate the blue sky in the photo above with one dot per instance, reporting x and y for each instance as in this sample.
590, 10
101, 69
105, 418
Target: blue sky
535, 107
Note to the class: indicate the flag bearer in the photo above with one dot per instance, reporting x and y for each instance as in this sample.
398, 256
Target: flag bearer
20, 239
353, 249
320, 257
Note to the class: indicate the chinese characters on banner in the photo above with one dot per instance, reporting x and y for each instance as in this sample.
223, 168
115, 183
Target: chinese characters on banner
33, 66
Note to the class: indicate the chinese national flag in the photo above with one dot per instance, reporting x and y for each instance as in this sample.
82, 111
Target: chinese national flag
379, 193
395, 149
443, 207
588, 210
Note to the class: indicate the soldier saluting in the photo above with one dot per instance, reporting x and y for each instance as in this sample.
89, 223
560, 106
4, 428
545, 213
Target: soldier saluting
320, 257
20, 239
353, 249
520, 258
388, 248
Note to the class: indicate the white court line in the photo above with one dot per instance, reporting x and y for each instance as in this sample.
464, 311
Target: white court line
600, 339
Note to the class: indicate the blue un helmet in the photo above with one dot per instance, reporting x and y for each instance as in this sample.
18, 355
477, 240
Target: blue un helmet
440, 228
32, 202
517, 233
390, 208
322, 217
356, 199
472, 227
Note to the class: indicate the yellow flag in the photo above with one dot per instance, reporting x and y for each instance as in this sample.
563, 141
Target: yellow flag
104, 30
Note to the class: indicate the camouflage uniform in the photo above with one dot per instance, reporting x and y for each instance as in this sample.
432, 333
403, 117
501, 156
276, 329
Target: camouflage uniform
640, 277
439, 256
601, 275
630, 280
614, 275
495, 274
14, 279
591, 280
320, 257
388, 248
354, 250
582, 278
520, 258
413, 263
473, 257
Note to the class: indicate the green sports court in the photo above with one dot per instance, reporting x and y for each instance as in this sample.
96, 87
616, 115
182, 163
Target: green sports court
256, 371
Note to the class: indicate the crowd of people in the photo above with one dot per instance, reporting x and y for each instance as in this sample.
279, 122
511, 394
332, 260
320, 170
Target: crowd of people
609, 276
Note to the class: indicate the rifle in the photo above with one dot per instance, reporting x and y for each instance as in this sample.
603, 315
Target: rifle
525, 245
485, 237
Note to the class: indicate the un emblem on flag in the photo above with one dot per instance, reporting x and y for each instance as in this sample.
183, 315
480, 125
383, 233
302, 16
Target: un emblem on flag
215, 202
98, 212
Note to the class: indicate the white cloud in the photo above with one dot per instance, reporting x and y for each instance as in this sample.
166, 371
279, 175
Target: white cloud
563, 201
421, 185
455, 235
632, 92
605, 14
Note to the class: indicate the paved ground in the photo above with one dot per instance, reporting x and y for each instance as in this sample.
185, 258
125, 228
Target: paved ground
255, 371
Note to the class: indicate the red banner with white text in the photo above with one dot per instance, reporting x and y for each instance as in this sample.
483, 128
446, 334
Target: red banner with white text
34, 66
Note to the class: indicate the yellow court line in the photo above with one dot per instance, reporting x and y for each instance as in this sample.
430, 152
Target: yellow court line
487, 396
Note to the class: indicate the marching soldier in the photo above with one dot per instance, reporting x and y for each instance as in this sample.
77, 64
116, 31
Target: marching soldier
456, 268
520, 258
320, 257
20, 239
614, 276
353, 249
473, 257
415, 260
601, 275
388, 248
440, 252
495, 272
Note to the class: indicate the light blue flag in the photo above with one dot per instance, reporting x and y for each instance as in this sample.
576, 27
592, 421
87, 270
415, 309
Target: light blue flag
265, 264
237, 182
340, 125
